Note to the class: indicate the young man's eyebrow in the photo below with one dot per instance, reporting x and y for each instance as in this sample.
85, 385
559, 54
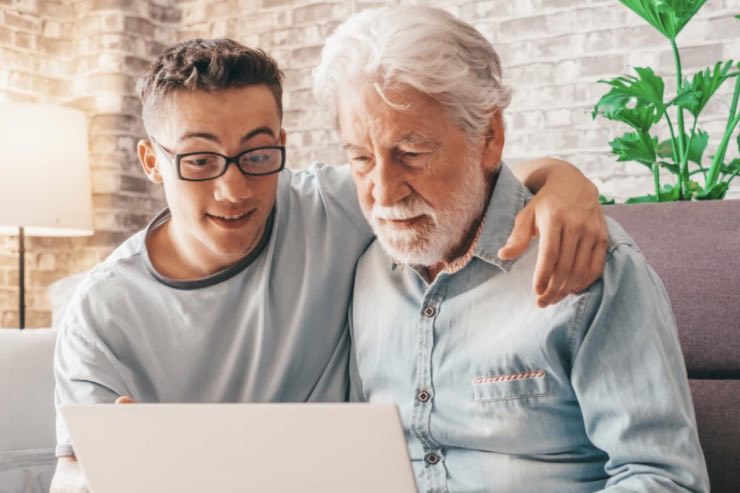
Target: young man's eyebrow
214, 138
259, 131
199, 135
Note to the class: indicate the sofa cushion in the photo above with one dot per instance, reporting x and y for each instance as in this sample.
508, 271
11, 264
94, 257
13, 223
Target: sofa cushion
695, 249
717, 404
27, 414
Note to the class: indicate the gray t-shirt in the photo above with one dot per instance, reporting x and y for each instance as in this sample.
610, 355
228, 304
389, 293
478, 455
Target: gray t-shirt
268, 329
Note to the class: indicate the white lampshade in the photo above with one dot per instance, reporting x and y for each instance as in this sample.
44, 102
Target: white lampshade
44, 171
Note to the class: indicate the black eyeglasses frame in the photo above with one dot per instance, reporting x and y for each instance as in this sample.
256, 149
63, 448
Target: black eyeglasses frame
229, 159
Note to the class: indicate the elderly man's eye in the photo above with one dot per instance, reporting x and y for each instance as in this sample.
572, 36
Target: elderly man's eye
414, 158
360, 163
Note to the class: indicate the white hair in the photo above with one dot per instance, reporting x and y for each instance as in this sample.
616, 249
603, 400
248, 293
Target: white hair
424, 48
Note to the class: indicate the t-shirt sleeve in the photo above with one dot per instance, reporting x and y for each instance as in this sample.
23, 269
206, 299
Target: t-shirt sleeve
340, 196
84, 369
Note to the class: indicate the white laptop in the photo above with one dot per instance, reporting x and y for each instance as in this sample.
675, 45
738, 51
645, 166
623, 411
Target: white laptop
266, 448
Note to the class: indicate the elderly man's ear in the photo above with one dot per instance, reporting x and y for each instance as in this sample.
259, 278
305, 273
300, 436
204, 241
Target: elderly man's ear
494, 143
148, 160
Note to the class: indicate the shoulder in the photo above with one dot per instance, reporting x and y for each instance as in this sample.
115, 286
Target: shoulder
629, 288
317, 178
322, 193
106, 283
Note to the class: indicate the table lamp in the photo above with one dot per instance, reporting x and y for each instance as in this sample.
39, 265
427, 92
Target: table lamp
44, 176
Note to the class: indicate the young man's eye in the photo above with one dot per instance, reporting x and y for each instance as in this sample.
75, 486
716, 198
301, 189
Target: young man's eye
200, 161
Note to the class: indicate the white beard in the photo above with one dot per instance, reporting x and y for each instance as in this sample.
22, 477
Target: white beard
439, 232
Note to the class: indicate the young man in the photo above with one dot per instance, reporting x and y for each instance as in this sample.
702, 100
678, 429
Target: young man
238, 292
495, 395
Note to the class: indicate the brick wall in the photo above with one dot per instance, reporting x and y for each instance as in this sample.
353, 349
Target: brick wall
85, 53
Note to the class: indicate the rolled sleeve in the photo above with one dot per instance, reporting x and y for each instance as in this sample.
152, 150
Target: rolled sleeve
629, 377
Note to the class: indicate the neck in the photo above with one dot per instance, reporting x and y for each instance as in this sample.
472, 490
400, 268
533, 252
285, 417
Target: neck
466, 243
181, 258
462, 248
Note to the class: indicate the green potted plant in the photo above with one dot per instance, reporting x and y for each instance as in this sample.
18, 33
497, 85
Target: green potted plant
640, 101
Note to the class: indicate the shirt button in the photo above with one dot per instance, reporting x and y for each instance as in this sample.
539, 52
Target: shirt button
429, 311
431, 458
423, 396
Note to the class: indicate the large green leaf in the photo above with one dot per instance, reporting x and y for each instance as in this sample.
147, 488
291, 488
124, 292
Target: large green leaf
635, 146
667, 16
673, 168
614, 105
733, 167
643, 199
715, 192
604, 200
696, 151
696, 93
668, 193
646, 89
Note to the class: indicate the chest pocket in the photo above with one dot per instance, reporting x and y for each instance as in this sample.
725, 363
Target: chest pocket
510, 386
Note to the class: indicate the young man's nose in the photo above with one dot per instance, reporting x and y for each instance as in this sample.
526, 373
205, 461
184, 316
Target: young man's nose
233, 185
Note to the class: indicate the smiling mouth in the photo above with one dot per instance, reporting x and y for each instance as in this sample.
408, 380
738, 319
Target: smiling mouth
233, 221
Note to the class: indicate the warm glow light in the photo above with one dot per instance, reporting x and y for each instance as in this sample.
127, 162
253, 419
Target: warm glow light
44, 171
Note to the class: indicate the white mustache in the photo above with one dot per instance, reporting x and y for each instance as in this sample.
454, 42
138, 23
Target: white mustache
413, 207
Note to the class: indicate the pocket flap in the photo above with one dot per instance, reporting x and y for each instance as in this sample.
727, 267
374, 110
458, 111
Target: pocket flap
507, 386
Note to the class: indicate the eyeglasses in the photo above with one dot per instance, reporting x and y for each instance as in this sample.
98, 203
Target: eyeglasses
203, 166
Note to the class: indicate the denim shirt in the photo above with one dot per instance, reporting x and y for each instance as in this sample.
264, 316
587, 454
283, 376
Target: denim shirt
496, 394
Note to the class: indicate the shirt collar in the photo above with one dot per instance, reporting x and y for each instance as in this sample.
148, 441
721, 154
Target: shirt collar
508, 198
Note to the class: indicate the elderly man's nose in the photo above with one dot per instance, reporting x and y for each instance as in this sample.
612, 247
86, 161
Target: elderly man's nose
388, 186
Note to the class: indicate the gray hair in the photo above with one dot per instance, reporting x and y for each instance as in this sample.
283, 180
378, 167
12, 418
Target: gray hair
424, 48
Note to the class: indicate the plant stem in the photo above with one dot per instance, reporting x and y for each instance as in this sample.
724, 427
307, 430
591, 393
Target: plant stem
685, 160
656, 181
732, 122
732, 176
683, 175
674, 148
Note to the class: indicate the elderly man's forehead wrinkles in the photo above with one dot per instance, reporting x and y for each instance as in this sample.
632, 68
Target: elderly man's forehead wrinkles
418, 138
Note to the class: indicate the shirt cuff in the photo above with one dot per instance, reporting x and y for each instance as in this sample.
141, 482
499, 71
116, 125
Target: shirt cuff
64, 450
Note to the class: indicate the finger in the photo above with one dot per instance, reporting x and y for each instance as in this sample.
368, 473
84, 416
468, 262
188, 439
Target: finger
579, 275
547, 256
563, 268
521, 234
124, 399
598, 260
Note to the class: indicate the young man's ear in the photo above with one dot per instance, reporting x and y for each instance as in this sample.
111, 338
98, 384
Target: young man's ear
494, 145
148, 160
283, 137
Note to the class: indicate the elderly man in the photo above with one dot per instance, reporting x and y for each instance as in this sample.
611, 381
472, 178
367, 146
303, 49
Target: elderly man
494, 394
239, 290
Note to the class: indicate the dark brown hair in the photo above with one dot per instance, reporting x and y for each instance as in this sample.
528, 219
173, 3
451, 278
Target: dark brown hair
206, 65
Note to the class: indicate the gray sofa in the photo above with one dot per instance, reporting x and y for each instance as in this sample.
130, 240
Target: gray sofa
26, 410
695, 248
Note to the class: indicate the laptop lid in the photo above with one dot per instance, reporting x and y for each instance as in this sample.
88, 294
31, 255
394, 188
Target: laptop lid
184, 448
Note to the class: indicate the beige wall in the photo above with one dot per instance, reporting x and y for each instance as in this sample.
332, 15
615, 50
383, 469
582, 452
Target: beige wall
86, 53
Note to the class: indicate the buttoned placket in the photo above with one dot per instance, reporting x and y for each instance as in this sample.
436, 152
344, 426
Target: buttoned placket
434, 468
